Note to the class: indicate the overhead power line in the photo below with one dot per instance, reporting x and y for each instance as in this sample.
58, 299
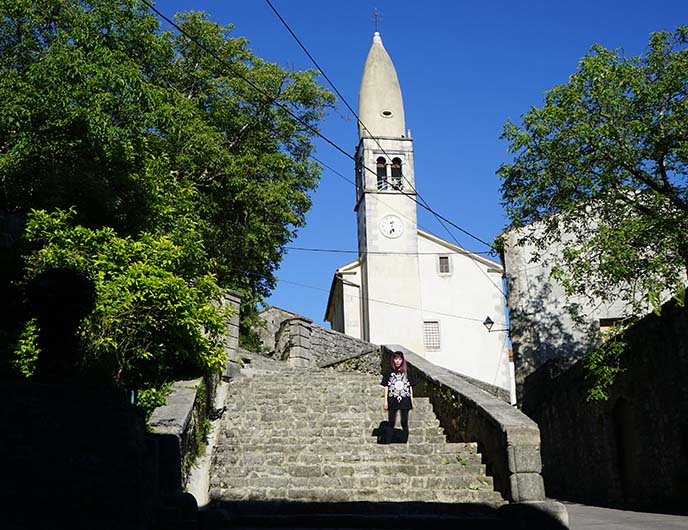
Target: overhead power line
424, 204
343, 251
272, 101
384, 302
419, 200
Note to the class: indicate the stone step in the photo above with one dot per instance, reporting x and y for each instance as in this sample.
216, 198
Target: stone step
296, 435
350, 448
311, 422
305, 382
469, 481
361, 417
331, 444
310, 385
362, 469
318, 407
311, 442
383, 494
344, 419
231, 458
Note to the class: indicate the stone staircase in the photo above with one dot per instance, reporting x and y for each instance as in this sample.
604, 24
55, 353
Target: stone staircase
306, 435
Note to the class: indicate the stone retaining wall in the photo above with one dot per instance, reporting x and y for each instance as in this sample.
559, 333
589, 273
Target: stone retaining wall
631, 450
79, 456
180, 425
232, 300
508, 440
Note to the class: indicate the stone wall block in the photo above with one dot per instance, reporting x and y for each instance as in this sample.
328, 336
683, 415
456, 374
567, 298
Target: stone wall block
524, 458
527, 487
523, 435
295, 333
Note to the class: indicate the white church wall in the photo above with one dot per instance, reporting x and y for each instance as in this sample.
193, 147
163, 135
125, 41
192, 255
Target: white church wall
459, 301
351, 301
393, 302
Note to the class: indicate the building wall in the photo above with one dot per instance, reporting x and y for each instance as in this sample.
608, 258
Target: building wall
346, 303
390, 265
541, 326
460, 301
631, 450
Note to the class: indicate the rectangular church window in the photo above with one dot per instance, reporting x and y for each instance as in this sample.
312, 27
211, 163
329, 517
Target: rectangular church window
444, 265
431, 335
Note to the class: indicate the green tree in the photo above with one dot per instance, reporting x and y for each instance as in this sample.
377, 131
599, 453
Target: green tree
602, 166
179, 174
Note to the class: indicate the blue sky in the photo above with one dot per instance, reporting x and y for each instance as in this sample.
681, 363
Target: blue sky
465, 68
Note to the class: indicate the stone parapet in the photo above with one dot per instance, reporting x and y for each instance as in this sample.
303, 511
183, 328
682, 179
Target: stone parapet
232, 300
179, 422
302, 344
507, 438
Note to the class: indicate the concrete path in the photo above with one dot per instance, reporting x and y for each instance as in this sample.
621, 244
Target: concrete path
583, 517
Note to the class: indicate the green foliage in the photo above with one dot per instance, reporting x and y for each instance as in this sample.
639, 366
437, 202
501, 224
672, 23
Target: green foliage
27, 351
603, 364
155, 316
178, 175
150, 399
603, 167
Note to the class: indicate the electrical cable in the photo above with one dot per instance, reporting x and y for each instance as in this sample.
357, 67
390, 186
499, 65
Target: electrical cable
424, 203
373, 137
314, 288
342, 251
312, 129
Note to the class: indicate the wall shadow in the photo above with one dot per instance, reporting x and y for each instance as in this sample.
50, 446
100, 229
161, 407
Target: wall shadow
375, 515
630, 451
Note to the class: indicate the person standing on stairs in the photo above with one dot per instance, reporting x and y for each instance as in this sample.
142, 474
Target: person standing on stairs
398, 392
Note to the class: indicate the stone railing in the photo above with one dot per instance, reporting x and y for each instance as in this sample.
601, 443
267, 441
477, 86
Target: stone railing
508, 440
181, 425
301, 343
367, 361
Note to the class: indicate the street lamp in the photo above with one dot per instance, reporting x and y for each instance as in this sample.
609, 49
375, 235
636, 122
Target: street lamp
489, 323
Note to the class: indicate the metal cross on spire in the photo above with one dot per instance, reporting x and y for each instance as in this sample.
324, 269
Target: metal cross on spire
377, 18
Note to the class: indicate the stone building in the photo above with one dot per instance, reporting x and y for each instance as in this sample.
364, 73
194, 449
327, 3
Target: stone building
408, 286
542, 327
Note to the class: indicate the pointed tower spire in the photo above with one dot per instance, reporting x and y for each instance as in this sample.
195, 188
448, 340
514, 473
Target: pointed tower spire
380, 105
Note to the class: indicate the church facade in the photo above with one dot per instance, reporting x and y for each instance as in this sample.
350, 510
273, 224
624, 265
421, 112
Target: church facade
408, 286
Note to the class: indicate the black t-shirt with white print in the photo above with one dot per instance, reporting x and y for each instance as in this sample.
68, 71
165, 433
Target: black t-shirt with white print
398, 389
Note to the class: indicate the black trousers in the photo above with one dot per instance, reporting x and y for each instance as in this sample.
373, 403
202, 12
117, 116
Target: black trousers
392, 418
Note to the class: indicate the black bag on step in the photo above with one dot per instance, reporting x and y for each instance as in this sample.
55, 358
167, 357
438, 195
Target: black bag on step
384, 433
399, 436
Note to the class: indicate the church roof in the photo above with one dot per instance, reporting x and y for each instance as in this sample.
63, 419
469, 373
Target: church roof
460, 250
380, 106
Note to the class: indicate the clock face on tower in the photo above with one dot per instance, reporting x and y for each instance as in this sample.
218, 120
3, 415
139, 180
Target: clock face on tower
391, 226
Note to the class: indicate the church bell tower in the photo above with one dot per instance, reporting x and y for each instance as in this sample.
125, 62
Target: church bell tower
386, 208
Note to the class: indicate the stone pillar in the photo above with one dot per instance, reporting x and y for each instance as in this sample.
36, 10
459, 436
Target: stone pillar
293, 342
232, 299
